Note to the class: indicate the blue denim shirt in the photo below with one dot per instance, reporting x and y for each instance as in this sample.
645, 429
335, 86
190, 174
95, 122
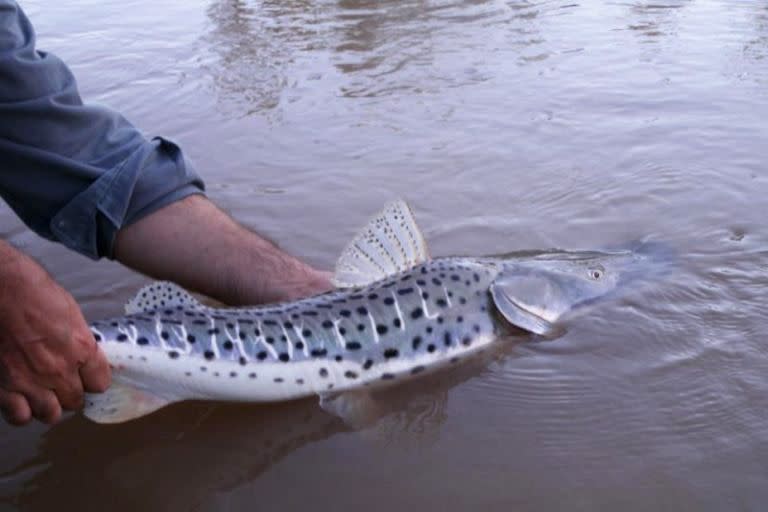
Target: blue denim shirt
74, 173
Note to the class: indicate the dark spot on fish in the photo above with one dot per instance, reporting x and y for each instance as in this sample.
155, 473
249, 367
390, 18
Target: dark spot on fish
416, 342
306, 333
429, 329
114, 324
288, 325
309, 313
319, 352
417, 369
373, 296
213, 331
188, 374
168, 312
466, 341
191, 338
142, 341
122, 337
356, 296
284, 357
300, 381
323, 372
387, 376
423, 270
368, 363
437, 282
404, 291
381, 329
173, 354
389, 285
283, 338
342, 331
390, 353
406, 277
459, 319
338, 358
440, 319
417, 313
208, 354
345, 313
325, 306
230, 325
269, 322
360, 327
424, 295
462, 300
299, 345
327, 324
228, 345
251, 375
476, 328
261, 356
203, 369
199, 322
447, 339
430, 348
243, 361
441, 302
421, 282
353, 345
270, 340
362, 310
389, 301
350, 374
256, 332
245, 321
476, 277
278, 379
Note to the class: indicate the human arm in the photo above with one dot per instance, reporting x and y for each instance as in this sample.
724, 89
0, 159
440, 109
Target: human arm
195, 244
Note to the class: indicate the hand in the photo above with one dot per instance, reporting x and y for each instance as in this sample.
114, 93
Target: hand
48, 356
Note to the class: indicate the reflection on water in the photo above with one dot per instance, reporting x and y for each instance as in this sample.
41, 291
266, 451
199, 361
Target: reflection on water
655, 20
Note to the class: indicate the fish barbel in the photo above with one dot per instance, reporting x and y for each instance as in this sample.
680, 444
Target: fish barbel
395, 314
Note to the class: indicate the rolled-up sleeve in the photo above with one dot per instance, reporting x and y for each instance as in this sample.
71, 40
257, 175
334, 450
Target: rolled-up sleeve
74, 173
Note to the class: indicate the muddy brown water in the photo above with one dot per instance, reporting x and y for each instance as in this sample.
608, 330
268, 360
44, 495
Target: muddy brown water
508, 125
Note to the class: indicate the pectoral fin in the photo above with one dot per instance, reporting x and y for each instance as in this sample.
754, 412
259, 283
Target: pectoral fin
356, 408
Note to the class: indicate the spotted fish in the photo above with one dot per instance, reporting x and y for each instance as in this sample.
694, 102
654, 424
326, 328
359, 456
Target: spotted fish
396, 313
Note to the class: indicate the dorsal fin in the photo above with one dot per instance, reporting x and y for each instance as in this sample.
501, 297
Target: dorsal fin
158, 295
390, 243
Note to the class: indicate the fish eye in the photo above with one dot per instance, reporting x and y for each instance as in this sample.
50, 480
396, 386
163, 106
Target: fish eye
596, 274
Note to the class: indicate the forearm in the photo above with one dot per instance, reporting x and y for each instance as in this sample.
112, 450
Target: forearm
195, 244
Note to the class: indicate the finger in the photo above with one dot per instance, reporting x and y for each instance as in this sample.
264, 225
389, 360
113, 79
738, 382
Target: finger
69, 393
45, 406
95, 373
15, 408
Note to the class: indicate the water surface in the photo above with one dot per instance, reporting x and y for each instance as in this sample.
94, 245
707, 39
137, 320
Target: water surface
508, 125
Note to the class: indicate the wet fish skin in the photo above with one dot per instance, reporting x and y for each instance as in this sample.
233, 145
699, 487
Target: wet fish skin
412, 322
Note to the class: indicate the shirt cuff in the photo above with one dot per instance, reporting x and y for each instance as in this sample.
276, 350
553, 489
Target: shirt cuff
153, 176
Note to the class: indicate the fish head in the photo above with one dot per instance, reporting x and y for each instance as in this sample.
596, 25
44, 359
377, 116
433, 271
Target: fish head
534, 291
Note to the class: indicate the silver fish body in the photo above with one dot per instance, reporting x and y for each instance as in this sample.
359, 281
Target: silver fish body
416, 321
